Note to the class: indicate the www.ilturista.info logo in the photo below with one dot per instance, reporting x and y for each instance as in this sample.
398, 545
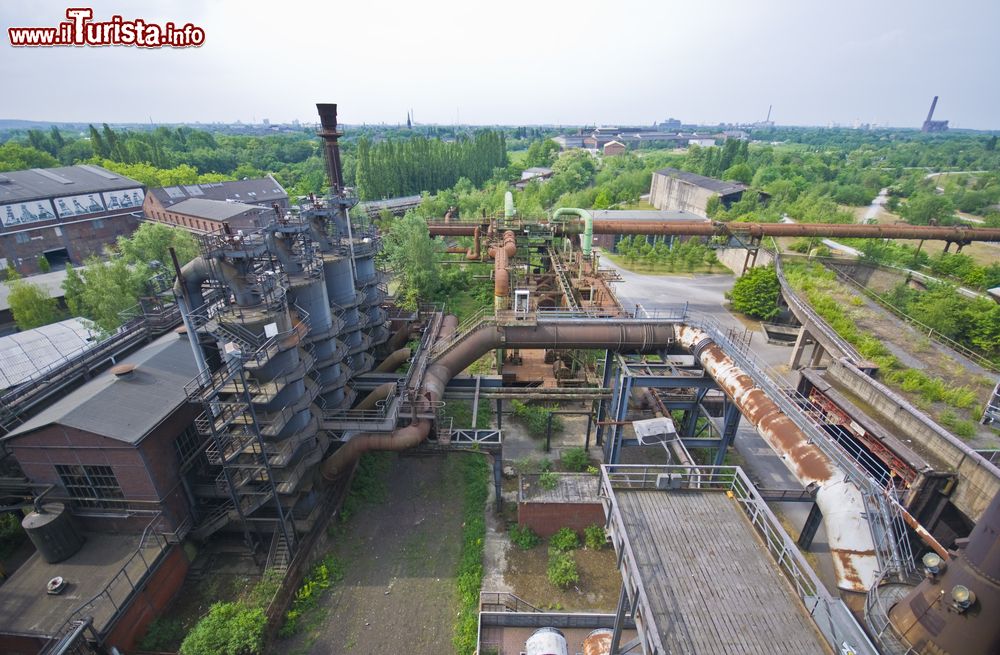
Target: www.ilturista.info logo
81, 30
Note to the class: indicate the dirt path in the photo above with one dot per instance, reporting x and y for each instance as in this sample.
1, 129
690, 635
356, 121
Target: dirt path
398, 595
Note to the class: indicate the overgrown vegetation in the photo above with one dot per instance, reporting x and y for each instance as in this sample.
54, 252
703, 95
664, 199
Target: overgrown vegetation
562, 570
756, 293
368, 487
594, 537
565, 539
817, 284
670, 255
535, 418
575, 459
234, 628
475, 483
323, 575
11, 533
524, 537
548, 480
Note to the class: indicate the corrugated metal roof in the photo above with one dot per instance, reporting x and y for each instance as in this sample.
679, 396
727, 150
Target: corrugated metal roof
260, 190
216, 210
722, 187
126, 408
26, 355
16, 186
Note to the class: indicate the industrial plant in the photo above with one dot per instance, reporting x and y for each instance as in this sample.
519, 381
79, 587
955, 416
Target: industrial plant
234, 404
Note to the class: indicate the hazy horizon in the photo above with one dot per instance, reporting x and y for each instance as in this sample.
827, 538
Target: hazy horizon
520, 63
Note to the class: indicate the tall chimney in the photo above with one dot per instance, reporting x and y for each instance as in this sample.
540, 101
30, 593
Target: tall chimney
329, 133
930, 114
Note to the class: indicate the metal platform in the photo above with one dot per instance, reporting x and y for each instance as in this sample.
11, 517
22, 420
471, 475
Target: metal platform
707, 568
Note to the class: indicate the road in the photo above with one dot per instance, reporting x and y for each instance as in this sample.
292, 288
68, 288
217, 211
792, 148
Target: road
706, 294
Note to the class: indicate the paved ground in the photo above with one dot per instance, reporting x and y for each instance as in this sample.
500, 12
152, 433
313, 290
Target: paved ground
706, 293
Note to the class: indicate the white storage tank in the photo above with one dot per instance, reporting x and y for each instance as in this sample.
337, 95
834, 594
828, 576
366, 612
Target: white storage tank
546, 641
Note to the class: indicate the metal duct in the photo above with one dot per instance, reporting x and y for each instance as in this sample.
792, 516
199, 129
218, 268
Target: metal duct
330, 135
395, 359
954, 234
381, 392
193, 274
282, 249
840, 501
587, 241
508, 205
474, 254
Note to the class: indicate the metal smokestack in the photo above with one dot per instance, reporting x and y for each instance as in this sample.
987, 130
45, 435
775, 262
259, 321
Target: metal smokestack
331, 150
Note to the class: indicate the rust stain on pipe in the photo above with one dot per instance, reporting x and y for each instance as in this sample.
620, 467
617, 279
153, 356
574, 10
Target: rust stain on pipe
954, 234
924, 535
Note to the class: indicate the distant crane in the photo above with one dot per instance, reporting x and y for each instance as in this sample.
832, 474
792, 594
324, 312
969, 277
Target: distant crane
931, 125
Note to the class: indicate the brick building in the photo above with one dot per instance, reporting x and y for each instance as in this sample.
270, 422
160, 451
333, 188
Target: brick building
113, 447
64, 214
574, 502
200, 208
612, 148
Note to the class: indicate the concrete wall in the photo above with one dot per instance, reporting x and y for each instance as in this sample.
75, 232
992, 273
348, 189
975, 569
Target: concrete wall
673, 194
547, 518
979, 481
733, 258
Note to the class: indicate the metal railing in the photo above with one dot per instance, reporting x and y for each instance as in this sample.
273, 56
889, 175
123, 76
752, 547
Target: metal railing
832, 617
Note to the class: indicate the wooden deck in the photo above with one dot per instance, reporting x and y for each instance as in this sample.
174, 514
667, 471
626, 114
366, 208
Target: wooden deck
711, 584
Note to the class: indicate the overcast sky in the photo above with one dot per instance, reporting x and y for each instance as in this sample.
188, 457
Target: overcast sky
521, 62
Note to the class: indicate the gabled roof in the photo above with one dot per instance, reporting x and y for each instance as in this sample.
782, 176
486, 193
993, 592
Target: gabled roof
37, 183
125, 408
215, 210
722, 187
261, 190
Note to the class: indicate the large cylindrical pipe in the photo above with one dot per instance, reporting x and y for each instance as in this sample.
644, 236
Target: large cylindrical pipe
587, 241
508, 205
474, 254
330, 135
381, 392
840, 501
395, 359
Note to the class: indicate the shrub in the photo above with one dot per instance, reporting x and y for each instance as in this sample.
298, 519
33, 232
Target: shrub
548, 480
229, 629
594, 537
562, 571
524, 537
593, 470
162, 635
43, 264
965, 429
756, 293
575, 459
545, 465
536, 418
564, 540
324, 573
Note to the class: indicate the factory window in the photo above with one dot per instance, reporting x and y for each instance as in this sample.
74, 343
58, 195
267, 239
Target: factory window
91, 486
189, 444
22, 237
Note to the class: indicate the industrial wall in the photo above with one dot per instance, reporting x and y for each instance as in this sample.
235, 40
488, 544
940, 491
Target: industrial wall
146, 472
22, 247
546, 518
150, 602
671, 193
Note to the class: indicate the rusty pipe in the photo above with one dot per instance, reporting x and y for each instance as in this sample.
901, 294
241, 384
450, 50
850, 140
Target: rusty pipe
331, 149
400, 439
954, 234
924, 534
841, 502
473, 254
381, 392
395, 359
501, 277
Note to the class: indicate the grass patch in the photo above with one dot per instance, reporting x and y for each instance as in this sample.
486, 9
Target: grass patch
460, 411
536, 418
229, 628
475, 485
368, 487
305, 611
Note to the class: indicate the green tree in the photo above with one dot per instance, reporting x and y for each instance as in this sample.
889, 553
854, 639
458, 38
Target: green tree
43, 264
411, 253
927, 208
108, 288
756, 293
152, 242
31, 305
229, 629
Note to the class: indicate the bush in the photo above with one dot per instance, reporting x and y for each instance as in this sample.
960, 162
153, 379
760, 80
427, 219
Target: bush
562, 571
162, 635
756, 293
564, 540
536, 418
594, 537
43, 264
229, 629
324, 573
575, 459
524, 537
548, 480
965, 429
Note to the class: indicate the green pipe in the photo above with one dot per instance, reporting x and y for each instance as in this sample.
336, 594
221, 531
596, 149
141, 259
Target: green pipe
508, 205
588, 225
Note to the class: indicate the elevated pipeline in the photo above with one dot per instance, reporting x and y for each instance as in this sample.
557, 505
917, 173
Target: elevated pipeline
395, 359
587, 241
840, 501
952, 234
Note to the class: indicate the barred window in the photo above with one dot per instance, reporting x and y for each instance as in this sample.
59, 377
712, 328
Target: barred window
91, 486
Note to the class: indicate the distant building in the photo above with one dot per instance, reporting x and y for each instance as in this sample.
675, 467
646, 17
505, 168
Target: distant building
613, 148
678, 190
931, 125
202, 216
533, 174
264, 191
669, 125
64, 214
704, 142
